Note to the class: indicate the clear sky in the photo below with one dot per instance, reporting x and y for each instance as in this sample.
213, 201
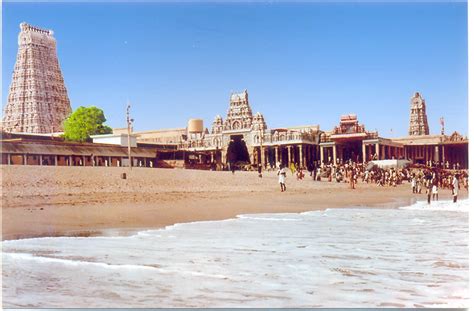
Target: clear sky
302, 64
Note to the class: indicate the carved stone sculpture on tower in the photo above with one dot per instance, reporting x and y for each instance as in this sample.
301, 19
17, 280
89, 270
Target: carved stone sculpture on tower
37, 101
418, 118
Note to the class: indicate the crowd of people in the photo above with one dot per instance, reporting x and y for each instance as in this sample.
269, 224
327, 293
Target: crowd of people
425, 178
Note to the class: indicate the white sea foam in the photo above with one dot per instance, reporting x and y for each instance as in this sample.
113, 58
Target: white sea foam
448, 206
410, 257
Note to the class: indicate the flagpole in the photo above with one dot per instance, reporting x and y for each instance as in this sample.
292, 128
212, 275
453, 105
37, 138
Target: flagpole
129, 130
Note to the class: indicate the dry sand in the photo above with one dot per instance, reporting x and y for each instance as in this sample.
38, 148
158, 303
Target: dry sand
50, 201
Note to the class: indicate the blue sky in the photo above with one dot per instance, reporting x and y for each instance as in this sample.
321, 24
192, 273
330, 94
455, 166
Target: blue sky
304, 63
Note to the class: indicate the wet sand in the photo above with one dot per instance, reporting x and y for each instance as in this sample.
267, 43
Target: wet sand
57, 201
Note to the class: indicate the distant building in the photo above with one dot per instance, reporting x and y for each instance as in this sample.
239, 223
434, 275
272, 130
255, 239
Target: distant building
38, 100
162, 136
115, 139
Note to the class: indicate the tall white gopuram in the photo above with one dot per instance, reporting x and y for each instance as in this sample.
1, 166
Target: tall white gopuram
37, 101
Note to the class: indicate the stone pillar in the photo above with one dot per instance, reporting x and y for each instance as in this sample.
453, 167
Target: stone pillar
436, 155
364, 157
300, 159
41, 160
55, 160
321, 154
289, 155
70, 161
83, 160
110, 161
382, 156
264, 157
9, 159
212, 157
377, 150
25, 159
334, 154
277, 156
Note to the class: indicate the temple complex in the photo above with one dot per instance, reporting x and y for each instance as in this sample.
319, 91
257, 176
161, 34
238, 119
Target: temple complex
38, 100
38, 104
244, 138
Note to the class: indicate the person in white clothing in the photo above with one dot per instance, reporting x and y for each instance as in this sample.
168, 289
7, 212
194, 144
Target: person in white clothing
282, 178
435, 192
455, 185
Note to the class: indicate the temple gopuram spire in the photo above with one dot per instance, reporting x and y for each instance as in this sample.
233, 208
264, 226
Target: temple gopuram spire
38, 100
418, 118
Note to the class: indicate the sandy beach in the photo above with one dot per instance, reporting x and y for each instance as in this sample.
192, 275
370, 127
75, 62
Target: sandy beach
56, 201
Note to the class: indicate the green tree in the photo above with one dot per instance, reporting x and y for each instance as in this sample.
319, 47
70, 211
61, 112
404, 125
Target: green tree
84, 122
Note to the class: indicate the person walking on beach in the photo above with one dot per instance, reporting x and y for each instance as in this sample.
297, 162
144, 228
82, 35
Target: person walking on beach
455, 186
292, 168
429, 190
282, 178
435, 191
315, 170
351, 178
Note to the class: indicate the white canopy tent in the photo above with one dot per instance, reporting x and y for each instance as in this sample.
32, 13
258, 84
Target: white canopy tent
389, 163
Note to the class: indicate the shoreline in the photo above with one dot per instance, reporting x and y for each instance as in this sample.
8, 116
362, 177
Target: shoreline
124, 232
95, 202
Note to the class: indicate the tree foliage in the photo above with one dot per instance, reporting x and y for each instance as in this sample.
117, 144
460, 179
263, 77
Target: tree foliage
84, 122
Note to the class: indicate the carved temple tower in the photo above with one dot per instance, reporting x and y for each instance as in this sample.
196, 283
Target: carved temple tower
418, 118
37, 101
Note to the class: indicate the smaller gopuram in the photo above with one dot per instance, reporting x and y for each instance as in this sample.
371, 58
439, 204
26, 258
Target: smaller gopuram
418, 118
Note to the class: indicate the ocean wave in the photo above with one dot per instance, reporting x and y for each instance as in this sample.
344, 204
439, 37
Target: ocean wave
76, 262
44, 259
448, 206
267, 217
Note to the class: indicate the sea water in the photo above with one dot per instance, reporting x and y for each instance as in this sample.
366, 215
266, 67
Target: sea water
409, 257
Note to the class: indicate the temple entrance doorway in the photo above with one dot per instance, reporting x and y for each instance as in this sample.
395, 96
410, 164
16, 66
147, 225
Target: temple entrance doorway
237, 151
352, 150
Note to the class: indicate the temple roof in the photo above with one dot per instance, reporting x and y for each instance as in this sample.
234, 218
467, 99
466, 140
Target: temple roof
238, 96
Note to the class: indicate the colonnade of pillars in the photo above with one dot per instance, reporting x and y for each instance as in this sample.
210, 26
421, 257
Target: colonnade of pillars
383, 152
426, 153
333, 152
270, 156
